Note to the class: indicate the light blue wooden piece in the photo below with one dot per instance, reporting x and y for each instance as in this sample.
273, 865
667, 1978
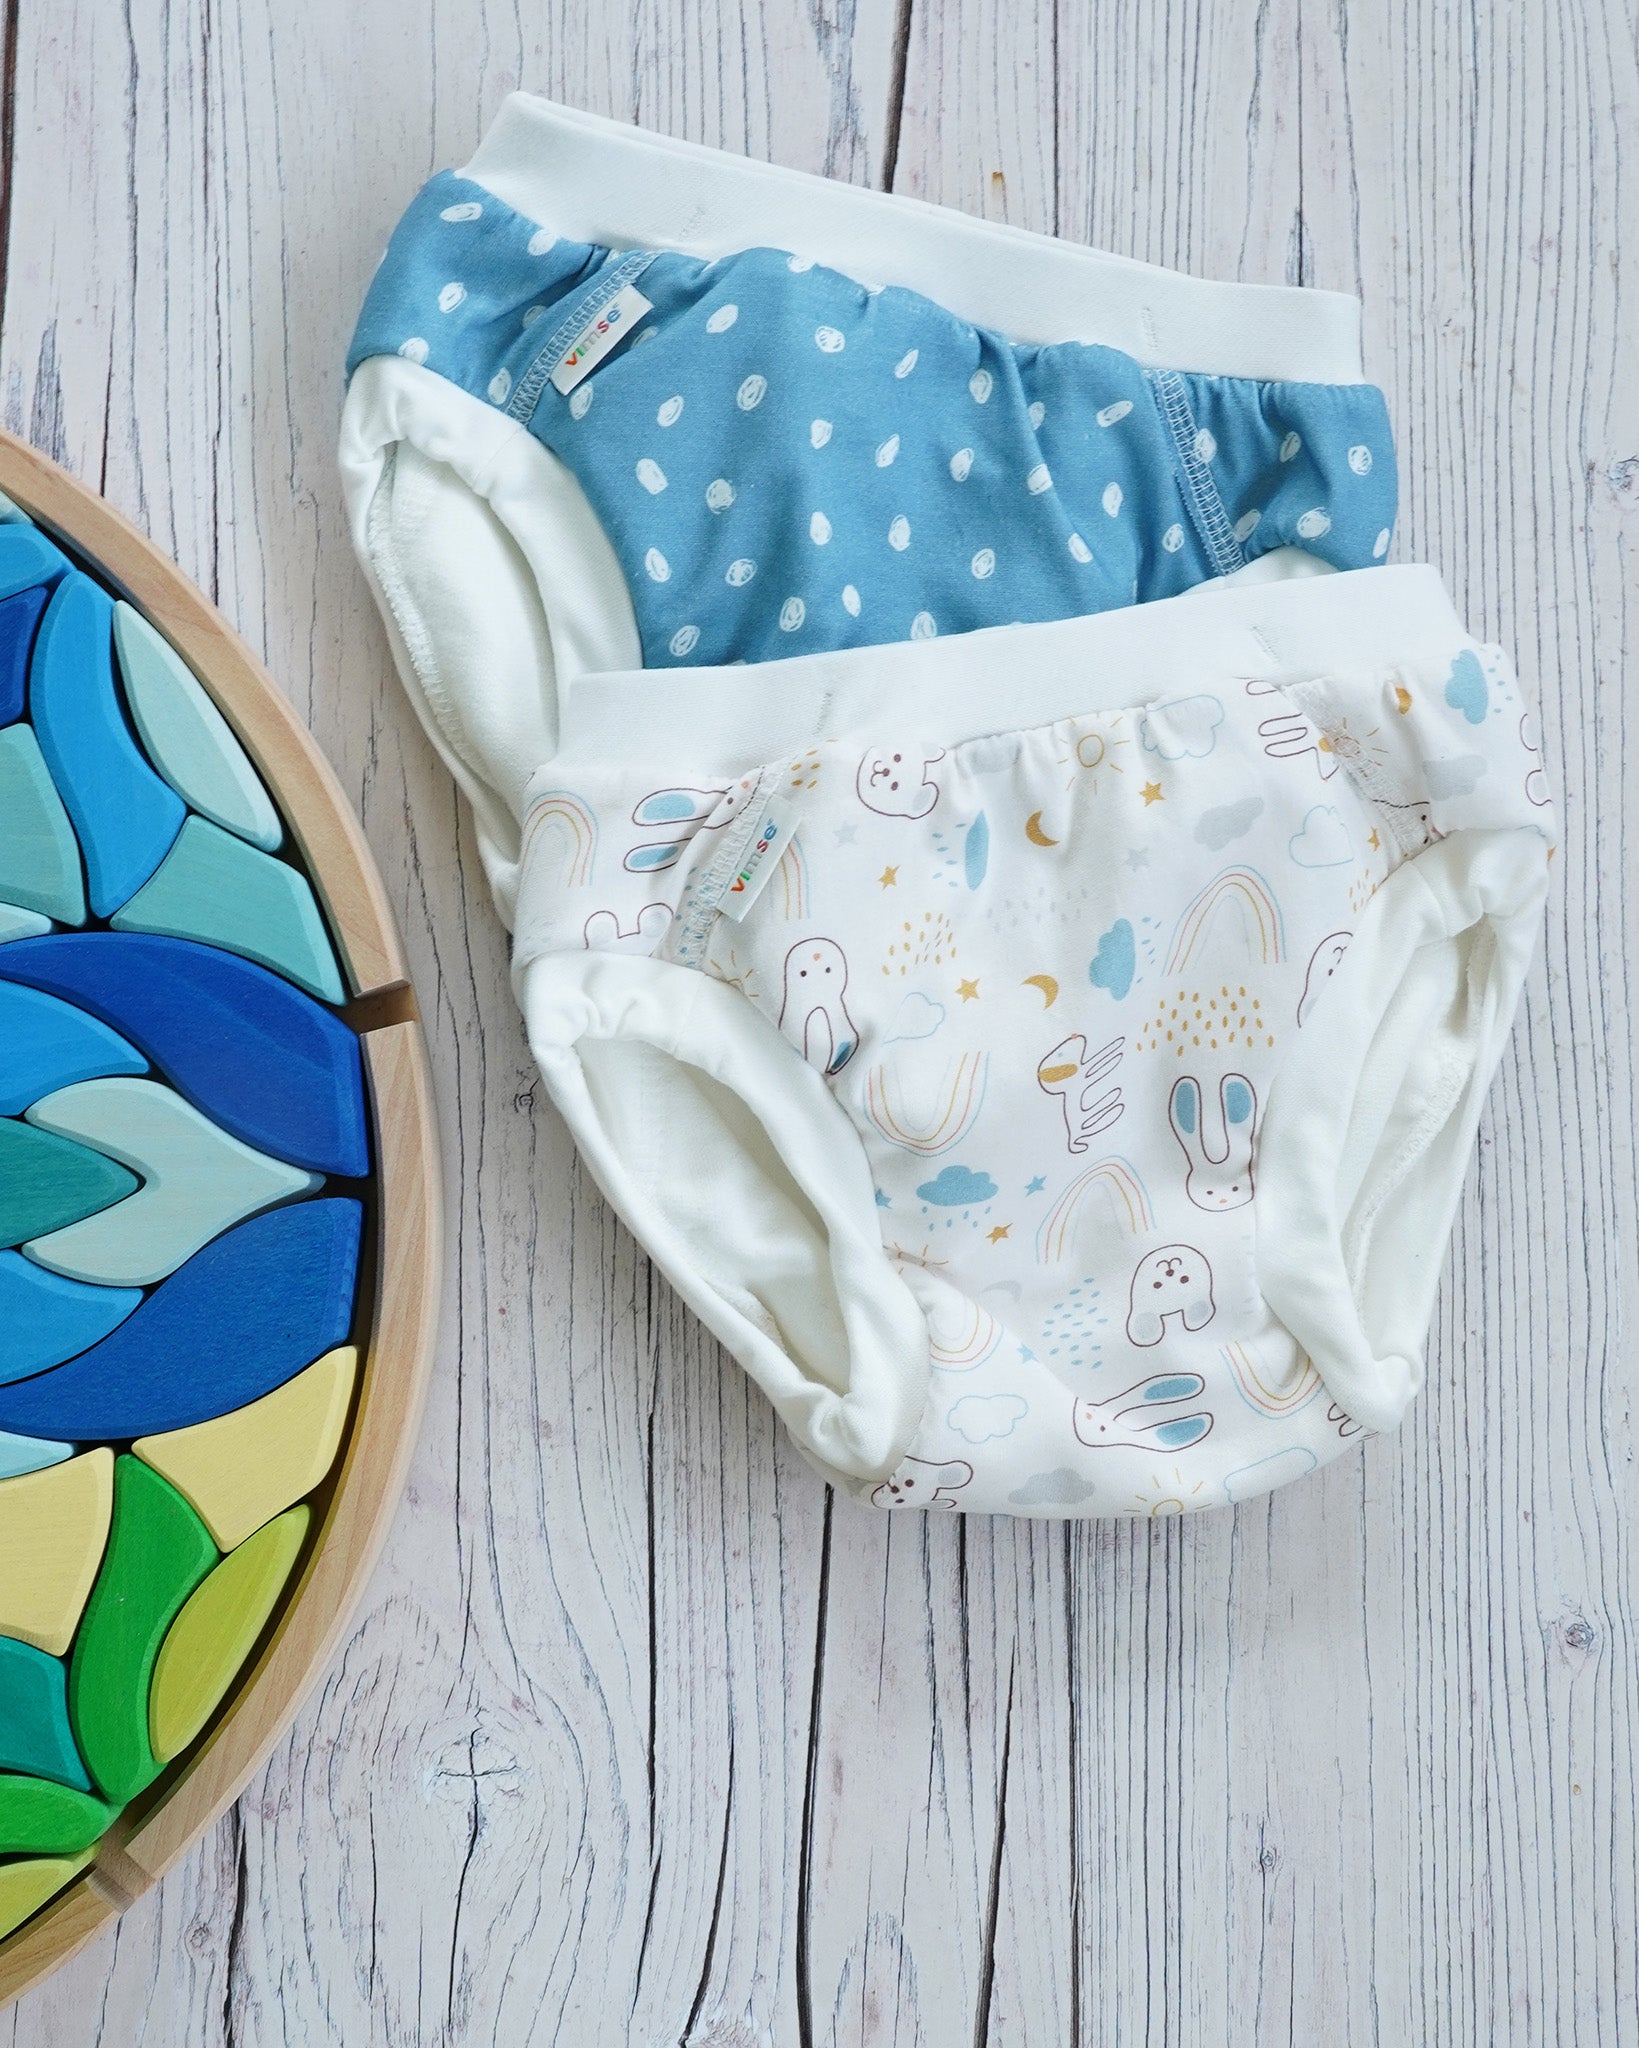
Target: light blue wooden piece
214, 888
47, 1319
187, 738
197, 1182
127, 819
11, 513
20, 1454
46, 1043
27, 558
39, 858
16, 923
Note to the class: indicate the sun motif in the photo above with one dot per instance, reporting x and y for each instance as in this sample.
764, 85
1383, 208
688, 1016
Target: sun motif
1169, 1494
730, 970
923, 1258
1340, 738
1093, 745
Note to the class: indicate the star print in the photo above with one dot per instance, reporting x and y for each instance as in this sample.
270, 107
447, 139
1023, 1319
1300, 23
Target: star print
1137, 858
968, 991
1037, 1185
999, 1232
889, 878
845, 834
883, 1201
1151, 793
1026, 1355
1374, 842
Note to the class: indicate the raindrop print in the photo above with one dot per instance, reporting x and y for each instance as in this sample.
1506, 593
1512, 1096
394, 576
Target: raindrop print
656, 564
899, 533
580, 403
1173, 539
980, 384
828, 339
905, 364
719, 494
819, 433
670, 413
888, 450
1246, 525
960, 463
451, 296
1108, 415
984, 563
651, 476
1380, 546
469, 209
750, 394
1037, 413
739, 573
722, 320
819, 529
542, 240
1040, 479
850, 600
923, 627
792, 614
1079, 548
1316, 521
1360, 459
1290, 446
684, 641
414, 350
1205, 446
1111, 500
500, 386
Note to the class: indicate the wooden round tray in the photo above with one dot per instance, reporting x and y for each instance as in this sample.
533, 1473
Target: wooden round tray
399, 1262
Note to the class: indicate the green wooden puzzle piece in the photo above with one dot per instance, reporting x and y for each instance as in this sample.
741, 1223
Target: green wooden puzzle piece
38, 1818
26, 1886
47, 1181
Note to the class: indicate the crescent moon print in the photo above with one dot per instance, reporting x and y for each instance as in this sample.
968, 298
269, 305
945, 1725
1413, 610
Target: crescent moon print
1048, 986
1034, 833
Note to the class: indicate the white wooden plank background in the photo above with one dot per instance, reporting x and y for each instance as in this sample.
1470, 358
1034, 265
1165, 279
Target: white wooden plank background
639, 1737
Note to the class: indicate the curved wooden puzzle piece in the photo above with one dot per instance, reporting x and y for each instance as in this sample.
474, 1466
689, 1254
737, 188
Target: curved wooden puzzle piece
27, 558
269, 1064
19, 621
27, 1885
47, 1182
39, 855
214, 888
46, 1044
125, 816
21, 924
34, 1731
216, 1630
255, 1306
48, 1319
53, 1526
39, 1817
158, 1552
196, 1181
241, 1469
20, 1454
186, 737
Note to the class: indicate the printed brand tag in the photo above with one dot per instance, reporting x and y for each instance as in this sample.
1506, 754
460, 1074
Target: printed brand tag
773, 835
599, 335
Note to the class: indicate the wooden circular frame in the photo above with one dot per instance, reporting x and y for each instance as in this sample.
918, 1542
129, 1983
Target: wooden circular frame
355, 1505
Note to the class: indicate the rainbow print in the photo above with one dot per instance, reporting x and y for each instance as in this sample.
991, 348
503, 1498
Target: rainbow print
1128, 1199
955, 1102
577, 829
1244, 893
792, 876
1284, 1396
959, 1339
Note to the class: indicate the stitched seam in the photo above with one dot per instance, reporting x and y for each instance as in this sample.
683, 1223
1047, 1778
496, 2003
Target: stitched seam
705, 895
1212, 522
581, 313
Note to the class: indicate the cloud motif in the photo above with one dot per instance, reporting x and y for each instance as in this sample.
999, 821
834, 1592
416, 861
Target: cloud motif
1115, 961
977, 1418
1465, 687
1188, 726
1454, 775
1217, 827
958, 1187
1323, 841
918, 1016
1059, 1489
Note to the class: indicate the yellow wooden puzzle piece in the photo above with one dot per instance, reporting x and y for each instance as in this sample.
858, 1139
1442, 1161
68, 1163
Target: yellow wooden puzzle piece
25, 1886
53, 1527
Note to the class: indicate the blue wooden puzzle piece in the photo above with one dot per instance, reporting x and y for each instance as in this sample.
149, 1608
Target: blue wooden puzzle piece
20, 1454
239, 1319
270, 1065
126, 817
19, 620
35, 1735
39, 856
45, 1045
22, 924
28, 558
45, 1319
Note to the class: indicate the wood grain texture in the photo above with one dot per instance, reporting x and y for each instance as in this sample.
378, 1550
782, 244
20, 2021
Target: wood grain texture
638, 1736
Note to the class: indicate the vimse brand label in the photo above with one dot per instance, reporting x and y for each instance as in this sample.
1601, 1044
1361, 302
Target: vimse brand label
776, 829
599, 335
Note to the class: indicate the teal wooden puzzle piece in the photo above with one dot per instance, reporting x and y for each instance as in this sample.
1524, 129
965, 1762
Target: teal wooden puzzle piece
47, 1319
19, 621
127, 819
187, 738
196, 1182
20, 1454
39, 858
35, 1735
22, 924
28, 558
46, 1043
215, 889
48, 1182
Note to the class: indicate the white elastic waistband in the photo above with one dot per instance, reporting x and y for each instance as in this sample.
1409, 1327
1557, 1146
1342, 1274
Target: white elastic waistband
723, 721
601, 181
